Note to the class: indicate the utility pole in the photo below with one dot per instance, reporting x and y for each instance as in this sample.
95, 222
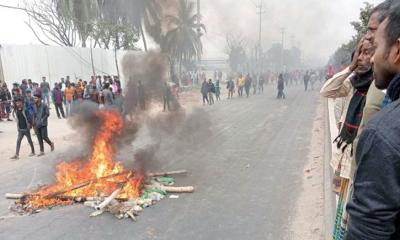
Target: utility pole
283, 47
260, 12
199, 35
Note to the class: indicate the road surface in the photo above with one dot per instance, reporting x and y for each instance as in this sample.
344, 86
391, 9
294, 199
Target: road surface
248, 175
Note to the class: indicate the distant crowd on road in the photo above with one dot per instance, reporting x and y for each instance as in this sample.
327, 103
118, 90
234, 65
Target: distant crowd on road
366, 152
254, 84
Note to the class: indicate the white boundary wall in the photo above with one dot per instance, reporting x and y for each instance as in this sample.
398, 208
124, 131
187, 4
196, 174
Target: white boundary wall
35, 61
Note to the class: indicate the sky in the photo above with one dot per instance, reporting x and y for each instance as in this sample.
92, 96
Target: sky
317, 27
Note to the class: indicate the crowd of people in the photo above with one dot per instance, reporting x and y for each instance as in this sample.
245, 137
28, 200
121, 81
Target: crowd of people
366, 151
29, 103
247, 84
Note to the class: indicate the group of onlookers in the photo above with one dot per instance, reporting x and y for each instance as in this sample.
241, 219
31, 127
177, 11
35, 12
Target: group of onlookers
366, 158
29, 103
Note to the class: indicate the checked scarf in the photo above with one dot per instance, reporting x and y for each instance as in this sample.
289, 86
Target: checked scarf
350, 127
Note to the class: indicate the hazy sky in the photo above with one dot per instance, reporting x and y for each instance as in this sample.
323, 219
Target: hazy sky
318, 27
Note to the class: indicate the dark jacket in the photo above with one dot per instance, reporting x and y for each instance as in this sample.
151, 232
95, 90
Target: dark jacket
281, 84
230, 85
204, 88
53, 95
25, 114
41, 116
30, 109
211, 87
374, 207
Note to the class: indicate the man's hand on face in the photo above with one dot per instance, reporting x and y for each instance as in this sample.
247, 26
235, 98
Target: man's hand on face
354, 63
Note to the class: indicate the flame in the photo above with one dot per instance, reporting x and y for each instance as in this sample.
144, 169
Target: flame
95, 172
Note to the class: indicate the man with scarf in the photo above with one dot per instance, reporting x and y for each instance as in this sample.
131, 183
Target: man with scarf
374, 208
360, 81
351, 84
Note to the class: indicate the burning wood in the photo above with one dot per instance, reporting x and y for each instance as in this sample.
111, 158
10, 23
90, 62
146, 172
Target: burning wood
86, 183
99, 182
113, 195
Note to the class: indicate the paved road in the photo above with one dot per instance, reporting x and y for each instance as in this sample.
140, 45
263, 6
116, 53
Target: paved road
248, 174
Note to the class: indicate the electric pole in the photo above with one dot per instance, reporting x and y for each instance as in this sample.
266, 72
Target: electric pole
260, 12
198, 23
283, 47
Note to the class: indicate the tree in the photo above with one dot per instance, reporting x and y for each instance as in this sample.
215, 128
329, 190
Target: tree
183, 41
139, 14
48, 25
82, 14
235, 48
343, 54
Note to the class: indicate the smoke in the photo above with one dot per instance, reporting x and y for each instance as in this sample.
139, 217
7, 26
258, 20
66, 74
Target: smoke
307, 24
148, 136
157, 133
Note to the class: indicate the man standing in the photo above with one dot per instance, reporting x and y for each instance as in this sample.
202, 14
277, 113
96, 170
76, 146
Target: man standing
247, 85
58, 100
374, 208
42, 114
241, 83
45, 88
254, 83
5, 99
261, 82
281, 87
24, 124
211, 91
141, 95
166, 96
217, 89
204, 91
69, 98
231, 88
306, 80
108, 96
24, 86
29, 105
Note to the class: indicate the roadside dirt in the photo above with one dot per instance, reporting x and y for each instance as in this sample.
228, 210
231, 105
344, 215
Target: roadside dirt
308, 223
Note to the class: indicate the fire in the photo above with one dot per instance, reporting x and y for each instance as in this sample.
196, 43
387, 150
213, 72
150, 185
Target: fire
99, 176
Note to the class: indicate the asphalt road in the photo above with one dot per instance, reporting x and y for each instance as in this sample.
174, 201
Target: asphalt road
247, 173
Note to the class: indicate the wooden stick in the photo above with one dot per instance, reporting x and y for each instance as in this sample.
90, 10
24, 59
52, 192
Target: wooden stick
15, 196
84, 184
186, 189
164, 174
81, 199
107, 200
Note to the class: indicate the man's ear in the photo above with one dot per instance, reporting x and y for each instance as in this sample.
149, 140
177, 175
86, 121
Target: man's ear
397, 51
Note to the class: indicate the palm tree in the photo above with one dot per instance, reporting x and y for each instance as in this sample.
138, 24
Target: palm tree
143, 14
183, 39
82, 14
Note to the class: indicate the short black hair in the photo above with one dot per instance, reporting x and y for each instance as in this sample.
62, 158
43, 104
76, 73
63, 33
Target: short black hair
393, 25
383, 10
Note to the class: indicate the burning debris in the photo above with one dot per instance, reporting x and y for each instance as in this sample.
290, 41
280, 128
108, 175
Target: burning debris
101, 183
97, 180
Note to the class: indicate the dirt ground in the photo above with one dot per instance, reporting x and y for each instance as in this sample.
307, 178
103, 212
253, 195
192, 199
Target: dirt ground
308, 221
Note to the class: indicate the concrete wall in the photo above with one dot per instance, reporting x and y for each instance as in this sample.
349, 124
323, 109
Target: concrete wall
35, 61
